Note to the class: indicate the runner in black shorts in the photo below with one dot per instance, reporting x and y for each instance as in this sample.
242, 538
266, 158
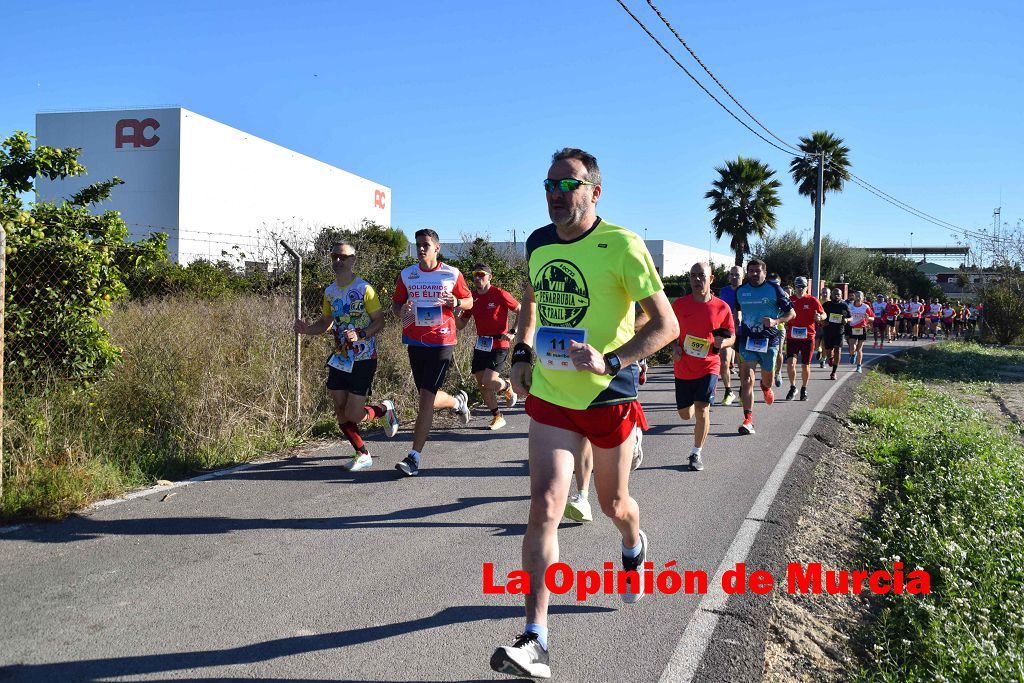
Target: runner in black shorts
426, 296
838, 314
491, 306
351, 306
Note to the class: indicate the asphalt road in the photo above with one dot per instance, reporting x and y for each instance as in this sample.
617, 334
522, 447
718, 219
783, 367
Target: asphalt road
297, 570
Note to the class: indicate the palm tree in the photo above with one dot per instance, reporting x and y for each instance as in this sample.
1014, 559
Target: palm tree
805, 169
743, 201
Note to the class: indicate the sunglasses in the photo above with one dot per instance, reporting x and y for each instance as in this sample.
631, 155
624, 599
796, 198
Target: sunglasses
565, 184
342, 257
480, 273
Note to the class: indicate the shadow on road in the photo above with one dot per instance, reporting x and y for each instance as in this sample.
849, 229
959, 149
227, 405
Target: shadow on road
84, 528
96, 669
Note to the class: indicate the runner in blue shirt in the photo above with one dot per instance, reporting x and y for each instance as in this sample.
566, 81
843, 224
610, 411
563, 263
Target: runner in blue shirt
728, 295
761, 306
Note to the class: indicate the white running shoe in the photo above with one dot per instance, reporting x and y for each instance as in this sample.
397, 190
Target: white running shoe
577, 508
511, 397
635, 564
463, 406
638, 449
390, 419
362, 461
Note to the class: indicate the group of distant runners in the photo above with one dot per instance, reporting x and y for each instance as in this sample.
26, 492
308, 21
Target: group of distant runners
593, 309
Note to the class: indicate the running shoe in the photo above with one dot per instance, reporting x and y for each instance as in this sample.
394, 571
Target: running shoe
638, 449
791, 393
635, 564
409, 467
821, 363
496, 423
748, 426
858, 368
525, 657
390, 419
577, 508
696, 464
643, 372
728, 399
803, 393
833, 375
511, 397
463, 406
361, 461
778, 381
769, 395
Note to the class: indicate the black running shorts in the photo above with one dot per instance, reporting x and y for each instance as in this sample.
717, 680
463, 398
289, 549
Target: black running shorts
356, 382
430, 365
700, 390
489, 360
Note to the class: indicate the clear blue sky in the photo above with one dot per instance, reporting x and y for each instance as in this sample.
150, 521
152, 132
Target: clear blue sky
457, 105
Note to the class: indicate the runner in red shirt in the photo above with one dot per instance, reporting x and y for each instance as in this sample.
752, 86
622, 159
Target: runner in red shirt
491, 306
891, 315
705, 328
426, 294
800, 336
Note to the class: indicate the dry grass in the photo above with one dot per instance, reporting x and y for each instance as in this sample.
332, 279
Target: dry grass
201, 384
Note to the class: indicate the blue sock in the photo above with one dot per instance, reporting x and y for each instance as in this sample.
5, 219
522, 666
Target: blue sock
542, 634
415, 456
634, 551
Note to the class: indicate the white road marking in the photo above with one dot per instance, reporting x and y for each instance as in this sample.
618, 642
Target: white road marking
696, 638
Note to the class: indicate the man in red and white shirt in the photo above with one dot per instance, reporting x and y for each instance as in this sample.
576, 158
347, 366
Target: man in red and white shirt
706, 326
426, 296
800, 333
915, 309
491, 306
892, 315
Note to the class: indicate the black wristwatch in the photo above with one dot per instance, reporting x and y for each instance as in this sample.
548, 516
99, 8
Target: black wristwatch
612, 364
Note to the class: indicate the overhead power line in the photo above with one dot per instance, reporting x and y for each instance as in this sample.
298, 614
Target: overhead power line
699, 84
797, 151
718, 82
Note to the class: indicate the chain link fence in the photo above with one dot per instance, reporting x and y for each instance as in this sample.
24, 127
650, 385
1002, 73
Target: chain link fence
121, 369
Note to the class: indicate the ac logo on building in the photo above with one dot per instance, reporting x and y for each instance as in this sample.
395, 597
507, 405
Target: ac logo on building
133, 132
378, 199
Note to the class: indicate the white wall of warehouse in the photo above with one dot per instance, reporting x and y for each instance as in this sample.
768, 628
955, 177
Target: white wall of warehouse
150, 193
207, 185
233, 184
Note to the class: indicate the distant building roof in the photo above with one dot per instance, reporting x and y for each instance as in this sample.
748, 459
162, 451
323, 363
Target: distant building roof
933, 268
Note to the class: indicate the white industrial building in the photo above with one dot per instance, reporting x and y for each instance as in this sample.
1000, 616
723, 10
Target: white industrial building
670, 258
209, 186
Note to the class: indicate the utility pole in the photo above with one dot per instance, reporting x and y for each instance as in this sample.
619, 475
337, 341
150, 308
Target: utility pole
816, 275
297, 362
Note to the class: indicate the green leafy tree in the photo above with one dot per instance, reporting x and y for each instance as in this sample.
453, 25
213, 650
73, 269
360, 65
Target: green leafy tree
1004, 309
743, 202
65, 266
903, 273
805, 169
508, 269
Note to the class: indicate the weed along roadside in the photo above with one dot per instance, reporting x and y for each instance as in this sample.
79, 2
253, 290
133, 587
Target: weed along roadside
932, 473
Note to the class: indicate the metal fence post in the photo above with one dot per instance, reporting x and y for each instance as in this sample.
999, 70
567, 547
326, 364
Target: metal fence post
3, 312
298, 345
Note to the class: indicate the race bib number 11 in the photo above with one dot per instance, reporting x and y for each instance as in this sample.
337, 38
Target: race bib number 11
553, 343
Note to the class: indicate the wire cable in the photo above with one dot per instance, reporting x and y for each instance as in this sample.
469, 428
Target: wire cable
701, 85
718, 82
